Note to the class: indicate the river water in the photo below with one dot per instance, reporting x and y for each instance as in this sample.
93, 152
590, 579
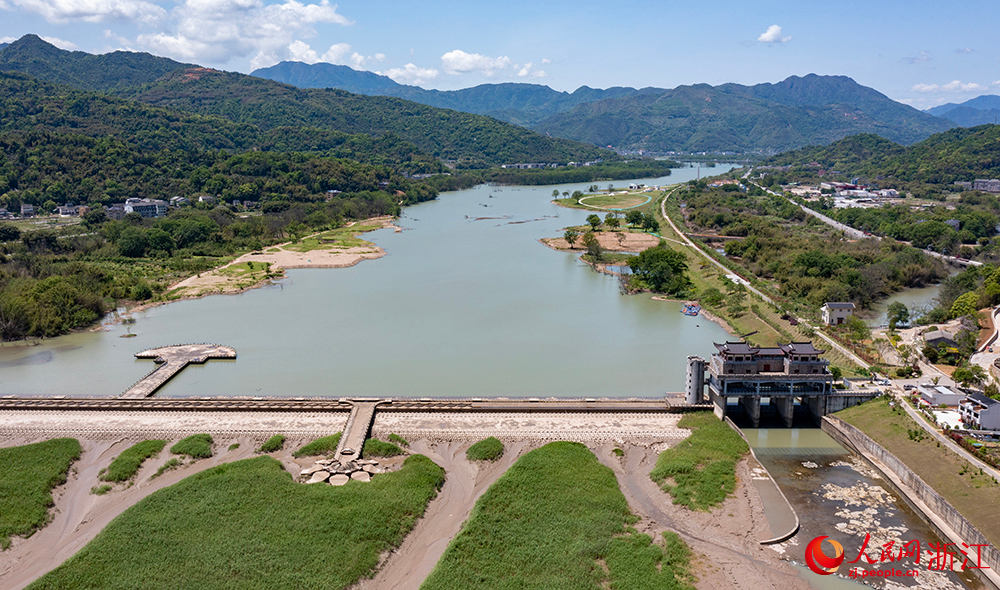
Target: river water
838, 495
466, 303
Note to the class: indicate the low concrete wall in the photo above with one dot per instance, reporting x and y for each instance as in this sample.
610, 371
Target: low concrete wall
931, 505
780, 536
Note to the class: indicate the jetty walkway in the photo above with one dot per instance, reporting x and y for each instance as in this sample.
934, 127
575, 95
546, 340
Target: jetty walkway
170, 360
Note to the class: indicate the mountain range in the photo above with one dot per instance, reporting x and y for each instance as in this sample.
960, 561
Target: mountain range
981, 110
795, 112
268, 106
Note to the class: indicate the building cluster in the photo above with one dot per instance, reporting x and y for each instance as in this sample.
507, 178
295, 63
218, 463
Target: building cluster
144, 207
981, 184
536, 165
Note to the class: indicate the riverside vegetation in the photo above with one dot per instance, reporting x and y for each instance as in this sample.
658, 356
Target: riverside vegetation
127, 463
547, 523
28, 474
700, 471
247, 524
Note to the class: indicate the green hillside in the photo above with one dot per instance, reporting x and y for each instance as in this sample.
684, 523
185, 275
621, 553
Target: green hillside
268, 105
766, 117
961, 154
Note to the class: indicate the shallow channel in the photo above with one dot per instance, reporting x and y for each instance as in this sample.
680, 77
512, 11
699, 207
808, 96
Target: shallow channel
837, 494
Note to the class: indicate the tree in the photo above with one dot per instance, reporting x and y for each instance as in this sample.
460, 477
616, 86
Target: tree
9, 233
570, 236
837, 372
712, 296
633, 217
593, 246
555, 193
662, 269
649, 223
858, 329
133, 242
969, 375
612, 222
594, 221
897, 314
965, 305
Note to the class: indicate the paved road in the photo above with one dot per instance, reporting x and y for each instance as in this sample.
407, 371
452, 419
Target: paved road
730, 273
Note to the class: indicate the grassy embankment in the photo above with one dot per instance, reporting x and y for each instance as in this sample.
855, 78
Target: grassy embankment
248, 525
340, 238
757, 316
972, 493
700, 471
127, 463
196, 446
556, 520
273, 444
488, 449
324, 445
27, 475
374, 447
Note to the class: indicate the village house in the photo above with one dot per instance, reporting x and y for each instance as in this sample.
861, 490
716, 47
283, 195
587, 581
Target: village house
836, 313
980, 412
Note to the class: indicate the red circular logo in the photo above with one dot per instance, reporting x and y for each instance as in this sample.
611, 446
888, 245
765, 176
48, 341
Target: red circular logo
818, 561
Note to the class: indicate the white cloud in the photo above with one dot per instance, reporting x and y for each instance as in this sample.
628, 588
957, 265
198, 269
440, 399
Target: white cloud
62, 11
411, 74
216, 31
61, 43
953, 86
773, 35
963, 50
459, 62
526, 71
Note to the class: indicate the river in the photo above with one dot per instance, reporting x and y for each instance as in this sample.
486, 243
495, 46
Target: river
466, 303
836, 494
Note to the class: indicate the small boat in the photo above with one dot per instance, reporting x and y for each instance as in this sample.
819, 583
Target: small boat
691, 309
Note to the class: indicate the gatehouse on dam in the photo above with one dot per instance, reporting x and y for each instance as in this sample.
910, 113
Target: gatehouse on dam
750, 381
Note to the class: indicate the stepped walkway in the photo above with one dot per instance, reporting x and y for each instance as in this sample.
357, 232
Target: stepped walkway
170, 360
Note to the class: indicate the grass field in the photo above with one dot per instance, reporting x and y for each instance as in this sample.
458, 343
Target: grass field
27, 475
618, 202
128, 462
374, 447
488, 449
700, 472
321, 446
335, 239
556, 520
196, 446
247, 525
973, 494
273, 444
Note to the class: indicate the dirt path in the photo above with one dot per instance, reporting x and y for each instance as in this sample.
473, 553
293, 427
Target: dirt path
725, 542
79, 515
408, 566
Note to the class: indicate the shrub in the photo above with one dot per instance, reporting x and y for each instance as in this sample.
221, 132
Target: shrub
168, 466
127, 464
101, 489
488, 449
321, 446
273, 444
379, 448
234, 446
196, 446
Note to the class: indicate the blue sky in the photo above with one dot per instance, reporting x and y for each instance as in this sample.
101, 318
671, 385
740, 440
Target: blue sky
918, 52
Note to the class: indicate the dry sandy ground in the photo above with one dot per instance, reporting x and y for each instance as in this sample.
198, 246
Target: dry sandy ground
725, 542
633, 242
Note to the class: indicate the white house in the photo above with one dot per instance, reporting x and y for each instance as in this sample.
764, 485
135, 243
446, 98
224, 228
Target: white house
835, 313
980, 412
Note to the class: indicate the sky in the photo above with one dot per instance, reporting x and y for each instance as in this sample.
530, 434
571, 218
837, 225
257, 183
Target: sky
918, 52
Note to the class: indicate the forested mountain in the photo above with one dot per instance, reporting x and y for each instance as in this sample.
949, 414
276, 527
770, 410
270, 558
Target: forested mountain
111, 71
961, 154
981, 110
765, 117
27, 104
523, 104
269, 105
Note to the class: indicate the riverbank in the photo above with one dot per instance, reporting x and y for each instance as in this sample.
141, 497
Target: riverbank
338, 248
725, 541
